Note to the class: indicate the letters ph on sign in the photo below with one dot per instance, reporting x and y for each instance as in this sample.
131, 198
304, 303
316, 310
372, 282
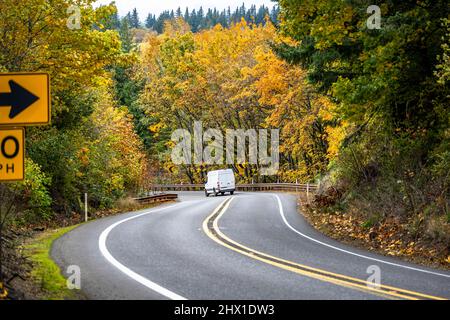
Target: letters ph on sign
12, 145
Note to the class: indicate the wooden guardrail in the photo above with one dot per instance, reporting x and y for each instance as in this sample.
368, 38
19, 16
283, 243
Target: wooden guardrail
289, 187
157, 198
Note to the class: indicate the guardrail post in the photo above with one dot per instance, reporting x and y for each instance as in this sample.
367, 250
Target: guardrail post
85, 207
307, 192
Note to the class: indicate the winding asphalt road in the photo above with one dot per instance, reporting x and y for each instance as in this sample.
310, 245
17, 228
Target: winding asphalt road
250, 246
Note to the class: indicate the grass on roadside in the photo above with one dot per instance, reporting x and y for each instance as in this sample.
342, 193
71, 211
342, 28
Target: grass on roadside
46, 274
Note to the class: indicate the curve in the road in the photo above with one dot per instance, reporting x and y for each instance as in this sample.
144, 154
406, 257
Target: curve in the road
211, 228
130, 273
280, 206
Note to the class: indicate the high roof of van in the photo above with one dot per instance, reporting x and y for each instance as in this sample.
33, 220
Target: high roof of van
221, 171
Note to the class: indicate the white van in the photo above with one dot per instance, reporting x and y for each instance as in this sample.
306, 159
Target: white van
219, 182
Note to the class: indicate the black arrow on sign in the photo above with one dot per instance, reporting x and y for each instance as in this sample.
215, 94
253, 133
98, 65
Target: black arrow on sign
19, 99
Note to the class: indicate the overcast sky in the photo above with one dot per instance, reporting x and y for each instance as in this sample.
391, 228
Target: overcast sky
157, 6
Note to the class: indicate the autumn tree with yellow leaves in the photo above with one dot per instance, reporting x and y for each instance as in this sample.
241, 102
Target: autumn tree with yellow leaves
91, 145
232, 79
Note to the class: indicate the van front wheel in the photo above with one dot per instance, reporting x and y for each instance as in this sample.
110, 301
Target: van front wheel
206, 194
232, 192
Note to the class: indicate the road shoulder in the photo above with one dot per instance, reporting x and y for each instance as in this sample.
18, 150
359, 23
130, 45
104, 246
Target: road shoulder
386, 239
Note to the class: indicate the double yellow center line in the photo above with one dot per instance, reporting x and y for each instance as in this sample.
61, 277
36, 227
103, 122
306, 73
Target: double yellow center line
211, 228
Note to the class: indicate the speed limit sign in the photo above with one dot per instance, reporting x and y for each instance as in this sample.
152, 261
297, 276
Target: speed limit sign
12, 154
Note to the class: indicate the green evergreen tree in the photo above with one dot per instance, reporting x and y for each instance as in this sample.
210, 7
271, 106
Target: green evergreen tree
201, 20
134, 19
125, 35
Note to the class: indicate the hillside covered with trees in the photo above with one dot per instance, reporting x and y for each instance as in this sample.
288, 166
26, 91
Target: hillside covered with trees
198, 20
390, 86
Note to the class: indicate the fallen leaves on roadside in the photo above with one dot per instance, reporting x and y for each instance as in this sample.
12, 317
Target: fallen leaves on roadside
3, 292
388, 236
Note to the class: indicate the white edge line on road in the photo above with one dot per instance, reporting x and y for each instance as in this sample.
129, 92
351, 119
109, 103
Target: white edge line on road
280, 205
130, 273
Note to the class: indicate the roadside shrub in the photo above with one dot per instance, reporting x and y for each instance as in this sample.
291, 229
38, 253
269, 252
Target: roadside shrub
34, 193
127, 204
438, 229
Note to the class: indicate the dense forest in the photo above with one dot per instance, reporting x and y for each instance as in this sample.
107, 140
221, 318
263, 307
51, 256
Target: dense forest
363, 112
200, 19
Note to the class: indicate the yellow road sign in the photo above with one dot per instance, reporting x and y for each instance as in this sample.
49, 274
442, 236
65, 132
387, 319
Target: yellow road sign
24, 99
12, 154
